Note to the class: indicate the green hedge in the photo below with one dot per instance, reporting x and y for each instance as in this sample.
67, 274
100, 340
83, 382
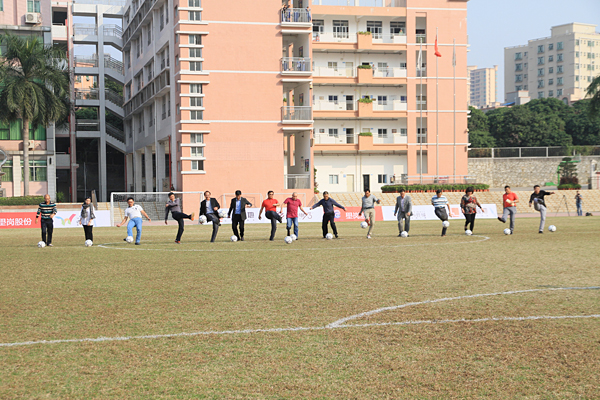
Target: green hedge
365, 100
364, 67
365, 134
567, 186
21, 201
448, 187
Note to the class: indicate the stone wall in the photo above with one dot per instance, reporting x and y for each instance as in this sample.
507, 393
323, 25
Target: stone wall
523, 172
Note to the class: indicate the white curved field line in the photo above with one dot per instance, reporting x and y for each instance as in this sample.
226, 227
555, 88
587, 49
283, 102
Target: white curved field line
112, 247
341, 323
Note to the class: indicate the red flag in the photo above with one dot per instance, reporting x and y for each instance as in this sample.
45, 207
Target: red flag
437, 50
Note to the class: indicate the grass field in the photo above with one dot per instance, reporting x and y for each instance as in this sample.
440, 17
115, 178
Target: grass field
270, 320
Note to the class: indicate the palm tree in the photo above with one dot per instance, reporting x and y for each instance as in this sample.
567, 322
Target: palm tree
593, 92
34, 87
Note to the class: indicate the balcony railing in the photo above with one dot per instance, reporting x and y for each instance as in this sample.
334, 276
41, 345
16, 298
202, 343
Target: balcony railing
297, 181
115, 132
528, 152
296, 113
362, 3
390, 105
335, 72
337, 37
389, 72
85, 30
85, 61
86, 94
421, 38
296, 64
390, 138
389, 38
322, 105
295, 15
113, 63
325, 138
113, 97
89, 125
113, 30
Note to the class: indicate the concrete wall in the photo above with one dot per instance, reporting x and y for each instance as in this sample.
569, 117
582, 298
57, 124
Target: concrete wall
523, 172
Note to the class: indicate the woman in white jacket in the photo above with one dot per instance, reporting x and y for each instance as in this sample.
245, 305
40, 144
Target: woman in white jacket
86, 218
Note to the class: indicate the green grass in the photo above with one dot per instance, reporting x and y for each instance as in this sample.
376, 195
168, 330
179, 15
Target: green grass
73, 292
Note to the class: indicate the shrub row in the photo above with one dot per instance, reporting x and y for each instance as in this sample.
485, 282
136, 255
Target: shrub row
21, 201
430, 187
569, 186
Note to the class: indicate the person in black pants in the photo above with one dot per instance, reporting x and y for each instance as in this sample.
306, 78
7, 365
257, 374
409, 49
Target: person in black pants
238, 209
47, 210
440, 203
210, 209
468, 205
270, 205
328, 214
174, 206
86, 218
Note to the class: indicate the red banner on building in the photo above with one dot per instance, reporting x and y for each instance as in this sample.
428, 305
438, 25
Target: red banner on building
17, 220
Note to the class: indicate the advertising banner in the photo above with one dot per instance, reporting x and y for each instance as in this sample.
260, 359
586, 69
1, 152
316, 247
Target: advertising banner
17, 220
64, 219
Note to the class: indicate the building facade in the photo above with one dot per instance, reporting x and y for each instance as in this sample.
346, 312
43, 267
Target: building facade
560, 66
483, 86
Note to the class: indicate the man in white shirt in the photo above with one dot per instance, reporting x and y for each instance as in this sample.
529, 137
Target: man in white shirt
134, 213
368, 207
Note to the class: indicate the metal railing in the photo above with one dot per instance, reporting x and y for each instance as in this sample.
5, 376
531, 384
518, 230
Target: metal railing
113, 97
88, 125
113, 63
335, 72
296, 113
389, 37
533, 152
404, 179
115, 132
325, 138
85, 29
85, 61
389, 72
86, 94
297, 181
390, 105
113, 30
296, 64
361, 3
323, 105
295, 15
340, 36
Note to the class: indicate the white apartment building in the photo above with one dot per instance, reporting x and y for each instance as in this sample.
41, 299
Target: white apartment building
483, 86
560, 66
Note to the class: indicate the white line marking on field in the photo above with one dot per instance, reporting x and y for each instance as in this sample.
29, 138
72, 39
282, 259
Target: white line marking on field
111, 247
339, 324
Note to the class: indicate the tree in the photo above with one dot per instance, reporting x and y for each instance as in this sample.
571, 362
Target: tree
480, 139
478, 121
34, 87
584, 130
593, 92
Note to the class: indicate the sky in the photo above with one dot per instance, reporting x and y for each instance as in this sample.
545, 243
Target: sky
496, 24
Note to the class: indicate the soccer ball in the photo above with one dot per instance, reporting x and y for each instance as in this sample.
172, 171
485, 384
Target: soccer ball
202, 219
88, 243
445, 224
364, 225
294, 237
404, 234
233, 238
552, 228
222, 214
41, 245
468, 232
129, 239
329, 236
507, 231
288, 239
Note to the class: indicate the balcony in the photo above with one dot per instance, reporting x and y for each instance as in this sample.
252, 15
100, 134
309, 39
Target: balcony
297, 181
85, 30
388, 38
296, 17
85, 61
390, 105
87, 125
296, 66
323, 105
113, 31
334, 72
113, 64
113, 97
325, 138
302, 114
393, 138
86, 94
387, 75
59, 32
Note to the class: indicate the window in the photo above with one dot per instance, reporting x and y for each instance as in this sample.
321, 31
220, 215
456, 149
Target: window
559, 81
576, 78
551, 93
382, 100
525, 65
37, 170
33, 6
195, 66
197, 165
540, 83
559, 92
551, 46
518, 56
334, 179
196, 88
340, 29
422, 137
403, 132
519, 67
519, 78
318, 28
550, 82
550, 70
194, 3
1, 5
559, 57
376, 28
525, 54
7, 168
518, 87
195, 39
161, 19
333, 132
525, 87
559, 46
196, 115
397, 28
196, 138
197, 151
149, 33
577, 42
167, 13
194, 16
4, 131
333, 99
540, 60
540, 71
381, 178
195, 53
550, 58
382, 133
540, 95
541, 48
195, 101
577, 54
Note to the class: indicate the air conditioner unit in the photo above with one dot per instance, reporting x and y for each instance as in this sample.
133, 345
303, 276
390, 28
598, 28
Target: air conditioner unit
31, 145
33, 18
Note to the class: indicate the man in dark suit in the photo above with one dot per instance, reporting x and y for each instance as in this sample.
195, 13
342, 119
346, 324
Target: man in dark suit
210, 208
238, 209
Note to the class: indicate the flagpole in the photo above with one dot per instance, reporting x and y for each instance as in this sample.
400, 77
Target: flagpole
454, 80
437, 118
420, 134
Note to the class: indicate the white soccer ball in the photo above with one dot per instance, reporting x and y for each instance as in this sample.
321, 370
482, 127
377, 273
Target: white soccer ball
552, 228
507, 231
129, 239
468, 232
41, 245
445, 224
288, 239
364, 225
233, 238
89, 243
404, 234
202, 219
329, 236
222, 214
294, 237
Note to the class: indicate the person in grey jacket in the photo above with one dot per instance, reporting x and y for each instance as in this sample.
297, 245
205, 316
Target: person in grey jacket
86, 218
404, 210
368, 207
174, 206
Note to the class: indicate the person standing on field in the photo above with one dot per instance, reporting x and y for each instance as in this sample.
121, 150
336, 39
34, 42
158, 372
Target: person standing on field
368, 207
174, 206
270, 206
579, 203
47, 210
440, 203
468, 205
328, 214
134, 213
292, 204
210, 209
537, 199
404, 206
509, 202
86, 218
237, 207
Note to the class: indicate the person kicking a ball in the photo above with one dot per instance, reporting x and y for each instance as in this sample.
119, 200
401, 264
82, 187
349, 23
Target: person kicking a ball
509, 202
134, 213
537, 199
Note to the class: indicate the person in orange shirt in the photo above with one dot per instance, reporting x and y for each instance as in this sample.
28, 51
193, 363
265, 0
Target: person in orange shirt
509, 202
270, 206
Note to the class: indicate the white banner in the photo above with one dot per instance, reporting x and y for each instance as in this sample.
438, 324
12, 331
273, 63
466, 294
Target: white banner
70, 219
427, 212
315, 215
